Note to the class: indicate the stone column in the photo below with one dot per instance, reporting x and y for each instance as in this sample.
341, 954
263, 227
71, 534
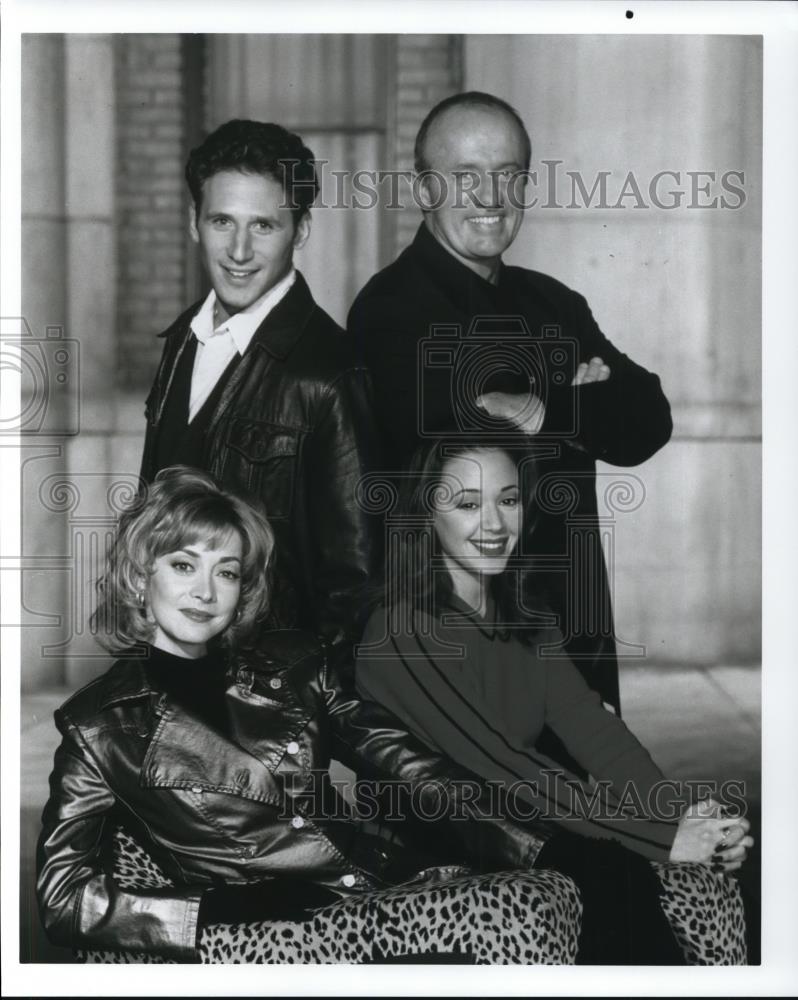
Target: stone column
44, 305
68, 295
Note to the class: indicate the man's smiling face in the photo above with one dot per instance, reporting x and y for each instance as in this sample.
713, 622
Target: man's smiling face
477, 151
247, 236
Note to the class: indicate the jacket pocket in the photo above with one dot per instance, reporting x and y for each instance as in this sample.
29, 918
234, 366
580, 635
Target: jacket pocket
265, 457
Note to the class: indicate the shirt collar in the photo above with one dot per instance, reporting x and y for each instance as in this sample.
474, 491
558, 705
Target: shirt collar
243, 326
486, 624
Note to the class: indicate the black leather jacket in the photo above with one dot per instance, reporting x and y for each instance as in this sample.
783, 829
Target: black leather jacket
293, 431
213, 809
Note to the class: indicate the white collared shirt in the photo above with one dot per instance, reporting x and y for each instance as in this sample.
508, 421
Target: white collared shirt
216, 348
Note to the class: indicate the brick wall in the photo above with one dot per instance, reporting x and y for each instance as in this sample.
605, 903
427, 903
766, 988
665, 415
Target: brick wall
150, 198
156, 125
428, 68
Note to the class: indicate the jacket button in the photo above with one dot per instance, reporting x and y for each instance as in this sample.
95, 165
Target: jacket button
275, 683
247, 852
292, 748
297, 822
196, 789
348, 881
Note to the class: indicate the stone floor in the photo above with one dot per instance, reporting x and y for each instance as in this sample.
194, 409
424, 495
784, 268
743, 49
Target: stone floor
697, 723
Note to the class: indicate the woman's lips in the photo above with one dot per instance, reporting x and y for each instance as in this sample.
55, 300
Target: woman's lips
493, 547
196, 616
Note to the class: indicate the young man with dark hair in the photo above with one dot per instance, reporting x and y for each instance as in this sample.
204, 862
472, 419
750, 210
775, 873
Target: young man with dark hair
257, 385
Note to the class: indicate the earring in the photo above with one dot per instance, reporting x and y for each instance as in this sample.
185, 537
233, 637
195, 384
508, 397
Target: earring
140, 598
238, 615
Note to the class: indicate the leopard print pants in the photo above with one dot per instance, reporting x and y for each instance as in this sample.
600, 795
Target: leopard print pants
523, 918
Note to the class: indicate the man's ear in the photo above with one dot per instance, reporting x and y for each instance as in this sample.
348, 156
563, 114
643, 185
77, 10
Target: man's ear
429, 189
302, 231
192, 222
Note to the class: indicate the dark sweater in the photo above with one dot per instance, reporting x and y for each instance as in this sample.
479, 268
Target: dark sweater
480, 696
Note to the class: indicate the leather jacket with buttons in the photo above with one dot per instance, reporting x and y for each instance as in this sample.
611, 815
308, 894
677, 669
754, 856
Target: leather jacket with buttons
238, 808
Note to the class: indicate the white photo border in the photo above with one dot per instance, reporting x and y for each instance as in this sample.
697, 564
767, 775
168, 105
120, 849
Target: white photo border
778, 24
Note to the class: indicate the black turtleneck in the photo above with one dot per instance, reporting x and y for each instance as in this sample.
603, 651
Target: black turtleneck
197, 685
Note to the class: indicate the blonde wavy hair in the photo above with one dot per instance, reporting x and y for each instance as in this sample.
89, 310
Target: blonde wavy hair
181, 507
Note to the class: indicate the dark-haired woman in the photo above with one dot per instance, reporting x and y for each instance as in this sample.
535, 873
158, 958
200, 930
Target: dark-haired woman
453, 653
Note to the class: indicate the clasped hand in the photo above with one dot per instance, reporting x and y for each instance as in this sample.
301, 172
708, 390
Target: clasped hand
704, 835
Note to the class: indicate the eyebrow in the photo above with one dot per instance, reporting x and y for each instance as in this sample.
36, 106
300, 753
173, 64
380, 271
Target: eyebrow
273, 220
196, 555
474, 489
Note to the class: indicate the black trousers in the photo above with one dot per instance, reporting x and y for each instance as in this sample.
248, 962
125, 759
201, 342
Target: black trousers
622, 922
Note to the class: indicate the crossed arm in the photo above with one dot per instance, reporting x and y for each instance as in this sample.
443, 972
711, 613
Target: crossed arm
623, 415
529, 407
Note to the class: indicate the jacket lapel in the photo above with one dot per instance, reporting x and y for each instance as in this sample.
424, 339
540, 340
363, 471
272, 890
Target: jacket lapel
184, 752
177, 338
276, 336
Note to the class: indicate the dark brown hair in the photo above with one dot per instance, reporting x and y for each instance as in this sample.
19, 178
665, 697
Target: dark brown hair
257, 148
408, 579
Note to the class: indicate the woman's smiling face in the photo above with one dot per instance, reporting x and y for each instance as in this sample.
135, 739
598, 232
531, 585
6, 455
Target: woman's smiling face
478, 516
192, 595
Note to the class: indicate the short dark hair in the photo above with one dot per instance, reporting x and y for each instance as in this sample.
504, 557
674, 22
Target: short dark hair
256, 148
468, 99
